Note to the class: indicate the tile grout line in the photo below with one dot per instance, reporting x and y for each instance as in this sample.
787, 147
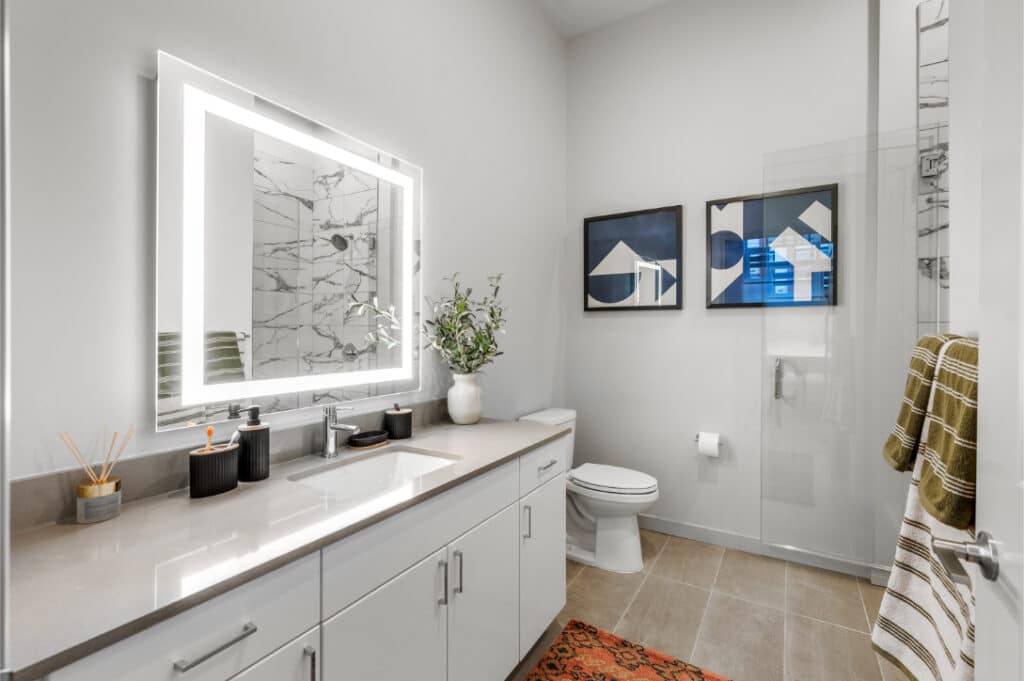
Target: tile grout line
707, 606
642, 582
575, 576
864, 604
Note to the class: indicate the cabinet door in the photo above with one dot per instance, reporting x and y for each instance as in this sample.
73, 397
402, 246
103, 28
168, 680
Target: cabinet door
483, 621
541, 560
396, 633
297, 661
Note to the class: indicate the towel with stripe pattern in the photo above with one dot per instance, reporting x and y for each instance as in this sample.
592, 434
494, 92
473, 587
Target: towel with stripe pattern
901, 448
925, 623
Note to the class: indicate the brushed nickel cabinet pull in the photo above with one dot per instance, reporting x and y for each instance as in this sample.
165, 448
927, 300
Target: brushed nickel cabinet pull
184, 665
462, 560
546, 466
310, 652
443, 600
528, 512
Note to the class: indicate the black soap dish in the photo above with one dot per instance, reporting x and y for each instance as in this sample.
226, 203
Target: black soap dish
370, 438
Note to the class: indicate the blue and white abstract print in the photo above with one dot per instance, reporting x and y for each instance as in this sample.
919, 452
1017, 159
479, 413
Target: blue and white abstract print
775, 249
633, 260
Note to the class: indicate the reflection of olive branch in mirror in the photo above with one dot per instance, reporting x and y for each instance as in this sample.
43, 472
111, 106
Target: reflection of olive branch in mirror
384, 321
463, 330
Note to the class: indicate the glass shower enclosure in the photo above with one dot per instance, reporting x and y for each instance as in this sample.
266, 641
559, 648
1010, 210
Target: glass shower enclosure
833, 373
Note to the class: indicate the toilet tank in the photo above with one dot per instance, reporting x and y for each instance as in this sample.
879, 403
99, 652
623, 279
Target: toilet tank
557, 417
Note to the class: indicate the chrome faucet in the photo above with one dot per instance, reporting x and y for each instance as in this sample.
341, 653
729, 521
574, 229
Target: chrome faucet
332, 428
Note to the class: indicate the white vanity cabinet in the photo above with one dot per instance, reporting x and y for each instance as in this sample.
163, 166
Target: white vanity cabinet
483, 611
297, 661
399, 631
457, 587
541, 560
217, 639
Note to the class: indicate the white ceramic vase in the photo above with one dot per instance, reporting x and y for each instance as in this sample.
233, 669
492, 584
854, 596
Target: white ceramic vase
464, 399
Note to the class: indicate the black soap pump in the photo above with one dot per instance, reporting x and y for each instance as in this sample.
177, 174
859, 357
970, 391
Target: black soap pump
254, 452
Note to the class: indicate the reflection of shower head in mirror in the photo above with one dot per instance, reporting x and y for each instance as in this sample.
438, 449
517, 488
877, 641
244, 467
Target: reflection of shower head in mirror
339, 242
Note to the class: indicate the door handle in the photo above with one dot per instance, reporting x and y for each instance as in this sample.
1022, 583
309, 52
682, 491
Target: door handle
528, 512
310, 652
184, 665
779, 367
443, 600
982, 552
462, 561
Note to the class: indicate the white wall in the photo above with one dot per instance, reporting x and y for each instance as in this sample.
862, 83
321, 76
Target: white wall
966, 127
679, 105
473, 91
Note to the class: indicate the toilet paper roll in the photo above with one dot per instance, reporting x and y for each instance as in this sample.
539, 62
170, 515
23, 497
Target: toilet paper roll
708, 444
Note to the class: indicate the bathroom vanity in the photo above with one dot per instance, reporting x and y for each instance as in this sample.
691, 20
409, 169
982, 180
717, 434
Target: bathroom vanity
441, 558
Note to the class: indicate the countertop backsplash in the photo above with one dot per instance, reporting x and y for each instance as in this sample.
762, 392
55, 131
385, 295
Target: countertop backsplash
50, 498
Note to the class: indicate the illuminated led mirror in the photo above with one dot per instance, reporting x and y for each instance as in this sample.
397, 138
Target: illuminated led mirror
272, 229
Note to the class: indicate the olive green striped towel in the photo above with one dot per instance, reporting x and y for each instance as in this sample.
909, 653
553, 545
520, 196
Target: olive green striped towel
901, 447
949, 449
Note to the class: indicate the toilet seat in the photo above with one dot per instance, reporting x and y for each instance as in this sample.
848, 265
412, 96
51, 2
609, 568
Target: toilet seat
612, 480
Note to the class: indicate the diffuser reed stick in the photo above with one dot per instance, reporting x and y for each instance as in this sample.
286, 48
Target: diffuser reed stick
109, 461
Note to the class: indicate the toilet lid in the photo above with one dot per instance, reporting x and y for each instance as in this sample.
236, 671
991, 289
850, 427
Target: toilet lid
601, 478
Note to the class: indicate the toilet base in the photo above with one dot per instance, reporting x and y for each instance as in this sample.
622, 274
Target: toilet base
616, 546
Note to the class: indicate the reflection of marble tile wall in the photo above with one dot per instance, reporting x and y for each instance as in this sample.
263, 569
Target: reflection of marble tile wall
315, 249
933, 150
344, 269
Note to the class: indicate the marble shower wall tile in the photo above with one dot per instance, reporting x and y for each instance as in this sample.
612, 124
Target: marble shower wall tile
315, 251
933, 168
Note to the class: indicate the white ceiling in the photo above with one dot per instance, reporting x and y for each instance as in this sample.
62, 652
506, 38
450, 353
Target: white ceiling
573, 17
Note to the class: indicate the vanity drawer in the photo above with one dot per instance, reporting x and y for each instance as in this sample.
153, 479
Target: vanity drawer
255, 619
542, 464
356, 565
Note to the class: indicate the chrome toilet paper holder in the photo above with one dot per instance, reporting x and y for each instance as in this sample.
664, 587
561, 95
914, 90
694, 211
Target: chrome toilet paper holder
721, 440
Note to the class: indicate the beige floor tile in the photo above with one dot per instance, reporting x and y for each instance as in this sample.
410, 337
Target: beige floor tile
651, 544
689, 561
825, 595
572, 568
758, 579
872, 596
740, 640
891, 672
816, 651
599, 598
665, 615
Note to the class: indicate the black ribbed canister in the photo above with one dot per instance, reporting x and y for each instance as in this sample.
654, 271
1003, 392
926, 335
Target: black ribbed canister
212, 473
254, 453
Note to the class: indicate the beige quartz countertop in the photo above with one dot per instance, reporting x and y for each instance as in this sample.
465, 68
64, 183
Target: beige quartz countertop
76, 589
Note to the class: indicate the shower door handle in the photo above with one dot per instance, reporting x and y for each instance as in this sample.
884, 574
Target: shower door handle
779, 366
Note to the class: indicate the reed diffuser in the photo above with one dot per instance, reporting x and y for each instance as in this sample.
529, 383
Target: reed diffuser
99, 498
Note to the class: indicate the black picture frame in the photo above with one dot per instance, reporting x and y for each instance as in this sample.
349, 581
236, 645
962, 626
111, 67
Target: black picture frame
834, 284
677, 210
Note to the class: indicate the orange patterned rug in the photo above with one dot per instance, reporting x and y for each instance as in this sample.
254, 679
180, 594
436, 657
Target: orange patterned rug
585, 653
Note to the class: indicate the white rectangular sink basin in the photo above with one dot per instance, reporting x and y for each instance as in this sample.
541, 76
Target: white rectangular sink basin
374, 475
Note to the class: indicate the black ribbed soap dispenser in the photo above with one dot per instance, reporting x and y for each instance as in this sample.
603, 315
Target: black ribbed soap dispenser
254, 452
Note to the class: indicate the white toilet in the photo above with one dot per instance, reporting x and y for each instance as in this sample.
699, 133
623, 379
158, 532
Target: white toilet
602, 503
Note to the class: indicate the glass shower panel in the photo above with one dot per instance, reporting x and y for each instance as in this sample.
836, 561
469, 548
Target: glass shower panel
822, 429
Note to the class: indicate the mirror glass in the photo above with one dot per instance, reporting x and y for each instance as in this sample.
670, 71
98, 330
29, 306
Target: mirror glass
287, 266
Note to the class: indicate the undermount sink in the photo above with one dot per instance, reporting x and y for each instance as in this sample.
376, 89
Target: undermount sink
375, 474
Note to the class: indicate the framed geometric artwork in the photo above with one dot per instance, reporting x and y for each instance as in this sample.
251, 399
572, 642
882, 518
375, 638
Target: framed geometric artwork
633, 261
774, 249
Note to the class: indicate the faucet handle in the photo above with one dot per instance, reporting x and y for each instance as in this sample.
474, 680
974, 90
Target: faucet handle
331, 410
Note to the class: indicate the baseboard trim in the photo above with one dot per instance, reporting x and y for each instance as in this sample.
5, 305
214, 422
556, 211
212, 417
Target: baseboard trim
878, 574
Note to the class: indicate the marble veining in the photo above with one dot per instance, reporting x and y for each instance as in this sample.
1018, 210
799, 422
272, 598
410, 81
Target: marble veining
316, 234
